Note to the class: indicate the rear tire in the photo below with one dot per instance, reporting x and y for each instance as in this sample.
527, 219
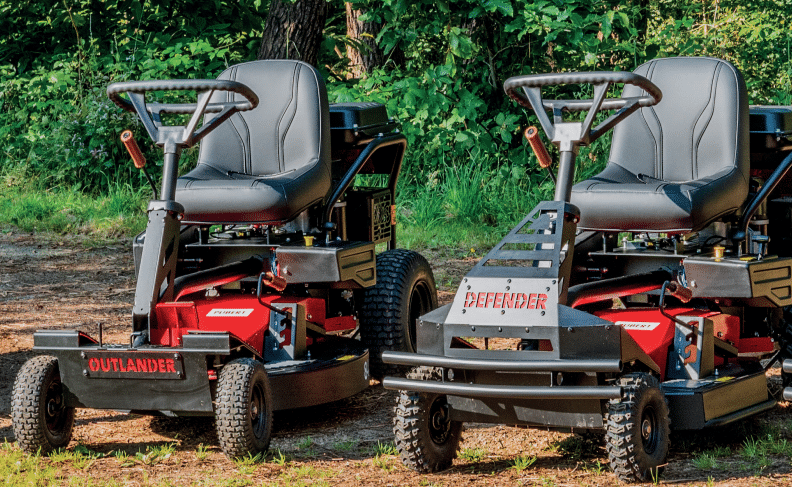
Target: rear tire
426, 439
244, 408
40, 418
638, 429
405, 290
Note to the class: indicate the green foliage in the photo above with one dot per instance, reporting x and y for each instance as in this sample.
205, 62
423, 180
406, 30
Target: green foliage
446, 64
473, 455
522, 462
56, 123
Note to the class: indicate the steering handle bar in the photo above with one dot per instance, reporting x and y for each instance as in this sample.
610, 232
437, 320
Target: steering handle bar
115, 89
189, 135
526, 90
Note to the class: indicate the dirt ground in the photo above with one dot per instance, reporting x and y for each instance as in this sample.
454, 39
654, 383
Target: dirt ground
50, 283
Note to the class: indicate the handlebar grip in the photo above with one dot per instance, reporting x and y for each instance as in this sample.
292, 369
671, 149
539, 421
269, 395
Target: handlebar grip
131, 146
680, 292
532, 136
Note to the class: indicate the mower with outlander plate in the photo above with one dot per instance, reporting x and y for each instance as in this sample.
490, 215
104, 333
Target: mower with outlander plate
258, 287
652, 296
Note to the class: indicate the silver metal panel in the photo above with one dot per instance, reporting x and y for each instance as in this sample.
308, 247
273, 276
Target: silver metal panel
505, 301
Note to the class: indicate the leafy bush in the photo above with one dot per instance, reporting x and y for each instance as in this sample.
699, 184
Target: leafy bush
443, 80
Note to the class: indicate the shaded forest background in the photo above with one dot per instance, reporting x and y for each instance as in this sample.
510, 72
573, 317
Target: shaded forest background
438, 65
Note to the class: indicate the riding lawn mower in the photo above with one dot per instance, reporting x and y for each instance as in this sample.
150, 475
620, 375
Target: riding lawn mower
258, 283
652, 297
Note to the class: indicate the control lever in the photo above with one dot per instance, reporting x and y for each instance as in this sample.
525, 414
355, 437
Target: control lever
138, 159
539, 149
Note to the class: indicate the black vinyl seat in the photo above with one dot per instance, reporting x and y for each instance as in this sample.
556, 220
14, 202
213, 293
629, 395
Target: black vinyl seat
268, 164
679, 165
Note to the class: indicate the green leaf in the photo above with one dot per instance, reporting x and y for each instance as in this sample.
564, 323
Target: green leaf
503, 7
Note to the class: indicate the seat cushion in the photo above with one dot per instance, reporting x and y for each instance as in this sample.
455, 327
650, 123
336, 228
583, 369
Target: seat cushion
680, 164
620, 201
268, 164
215, 196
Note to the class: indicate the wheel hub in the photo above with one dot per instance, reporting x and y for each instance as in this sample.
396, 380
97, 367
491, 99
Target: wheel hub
439, 425
646, 429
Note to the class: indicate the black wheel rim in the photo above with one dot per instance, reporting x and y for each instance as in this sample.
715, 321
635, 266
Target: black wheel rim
54, 407
258, 408
439, 425
650, 433
420, 304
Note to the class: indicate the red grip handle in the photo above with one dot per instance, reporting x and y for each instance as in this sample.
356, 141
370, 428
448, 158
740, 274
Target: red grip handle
680, 292
137, 155
275, 282
532, 136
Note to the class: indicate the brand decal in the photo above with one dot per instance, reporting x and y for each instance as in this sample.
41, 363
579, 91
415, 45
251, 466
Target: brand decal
505, 300
121, 364
638, 325
132, 365
230, 312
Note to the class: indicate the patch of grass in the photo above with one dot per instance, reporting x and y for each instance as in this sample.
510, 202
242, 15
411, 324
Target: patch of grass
719, 452
18, 468
305, 475
84, 457
385, 462
62, 211
522, 462
574, 448
246, 465
473, 455
705, 461
345, 445
596, 467
279, 458
156, 454
384, 449
123, 458
305, 443
201, 452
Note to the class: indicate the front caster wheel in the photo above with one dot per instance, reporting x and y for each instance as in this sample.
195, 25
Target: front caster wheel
40, 418
244, 408
425, 437
637, 429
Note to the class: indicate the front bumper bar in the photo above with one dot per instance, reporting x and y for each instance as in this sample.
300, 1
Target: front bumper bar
415, 359
502, 391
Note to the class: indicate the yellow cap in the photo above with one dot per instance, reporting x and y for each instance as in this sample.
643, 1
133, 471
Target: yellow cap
308, 240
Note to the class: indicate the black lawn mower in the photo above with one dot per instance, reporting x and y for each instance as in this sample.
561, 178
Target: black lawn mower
258, 283
651, 297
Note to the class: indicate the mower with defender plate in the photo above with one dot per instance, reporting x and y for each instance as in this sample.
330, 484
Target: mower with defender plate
651, 297
259, 287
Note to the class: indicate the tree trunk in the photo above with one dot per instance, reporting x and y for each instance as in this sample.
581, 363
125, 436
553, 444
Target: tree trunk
294, 30
364, 55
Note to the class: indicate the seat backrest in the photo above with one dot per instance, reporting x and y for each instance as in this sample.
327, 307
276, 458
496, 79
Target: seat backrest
289, 130
699, 129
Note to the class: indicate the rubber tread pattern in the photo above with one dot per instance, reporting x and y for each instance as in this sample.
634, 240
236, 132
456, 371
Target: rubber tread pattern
623, 441
27, 418
233, 420
410, 427
385, 309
